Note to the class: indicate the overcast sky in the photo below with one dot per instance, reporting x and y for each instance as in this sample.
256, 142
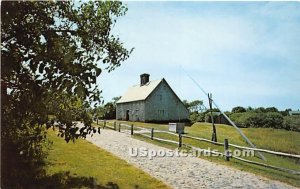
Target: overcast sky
244, 53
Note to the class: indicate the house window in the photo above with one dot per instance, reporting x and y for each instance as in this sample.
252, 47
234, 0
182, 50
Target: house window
161, 112
160, 97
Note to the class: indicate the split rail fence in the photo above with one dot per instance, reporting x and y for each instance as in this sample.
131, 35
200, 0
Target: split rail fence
133, 129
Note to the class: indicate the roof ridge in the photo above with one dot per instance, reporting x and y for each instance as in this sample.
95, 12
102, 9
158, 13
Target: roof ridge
137, 92
147, 82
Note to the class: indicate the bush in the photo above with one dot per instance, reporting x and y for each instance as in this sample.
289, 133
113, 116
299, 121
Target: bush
238, 109
242, 119
208, 117
253, 119
197, 117
235, 117
274, 120
291, 123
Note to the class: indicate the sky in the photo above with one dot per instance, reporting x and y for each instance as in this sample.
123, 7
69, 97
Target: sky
244, 53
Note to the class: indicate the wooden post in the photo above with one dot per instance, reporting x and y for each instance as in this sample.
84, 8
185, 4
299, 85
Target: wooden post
104, 124
115, 125
131, 129
180, 140
226, 149
97, 121
119, 127
214, 134
152, 133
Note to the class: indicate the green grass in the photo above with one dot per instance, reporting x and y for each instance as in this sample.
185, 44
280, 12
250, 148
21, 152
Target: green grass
272, 139
83, 165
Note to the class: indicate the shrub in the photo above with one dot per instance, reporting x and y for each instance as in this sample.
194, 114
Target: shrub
253, 119
242, 119
197, 117
271, 109
273, 120
208, 117
291, 123
238, 109
236, 118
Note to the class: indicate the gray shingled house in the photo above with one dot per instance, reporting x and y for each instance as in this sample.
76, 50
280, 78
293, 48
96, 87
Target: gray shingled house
151, 101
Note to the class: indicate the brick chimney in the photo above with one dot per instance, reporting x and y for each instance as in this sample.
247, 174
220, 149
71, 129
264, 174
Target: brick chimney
144, 79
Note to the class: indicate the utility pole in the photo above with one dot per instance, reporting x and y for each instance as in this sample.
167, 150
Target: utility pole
214, 133
231, 122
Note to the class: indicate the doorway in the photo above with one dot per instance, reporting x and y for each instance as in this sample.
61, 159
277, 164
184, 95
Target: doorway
127, 115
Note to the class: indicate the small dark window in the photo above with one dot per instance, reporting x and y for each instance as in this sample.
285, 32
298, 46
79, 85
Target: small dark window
161, 112
160, 97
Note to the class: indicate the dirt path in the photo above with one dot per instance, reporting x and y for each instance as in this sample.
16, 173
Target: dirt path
180, 172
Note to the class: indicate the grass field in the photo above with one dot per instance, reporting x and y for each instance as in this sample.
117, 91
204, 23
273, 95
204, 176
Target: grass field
272, 139
83, 165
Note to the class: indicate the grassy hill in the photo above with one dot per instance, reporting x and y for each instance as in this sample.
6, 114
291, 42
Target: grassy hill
266, 138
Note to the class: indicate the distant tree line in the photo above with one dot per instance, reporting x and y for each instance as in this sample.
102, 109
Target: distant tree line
106, 111
261, 117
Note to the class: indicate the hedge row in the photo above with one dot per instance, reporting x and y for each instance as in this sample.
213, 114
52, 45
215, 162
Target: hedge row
255, 119
266, 120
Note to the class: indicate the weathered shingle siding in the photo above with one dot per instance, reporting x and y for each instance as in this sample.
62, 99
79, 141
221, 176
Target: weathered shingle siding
136, 111
164, 105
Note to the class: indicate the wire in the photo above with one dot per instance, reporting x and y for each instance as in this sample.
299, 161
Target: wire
231, 122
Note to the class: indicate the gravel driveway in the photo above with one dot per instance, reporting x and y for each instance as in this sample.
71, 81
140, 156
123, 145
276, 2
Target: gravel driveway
180, 172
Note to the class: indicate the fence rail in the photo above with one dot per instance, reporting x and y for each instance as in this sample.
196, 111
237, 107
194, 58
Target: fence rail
126, 125
160, 131
266, 151
204, 150
203, 139
159, 139
107, 124
245, 148
266, 165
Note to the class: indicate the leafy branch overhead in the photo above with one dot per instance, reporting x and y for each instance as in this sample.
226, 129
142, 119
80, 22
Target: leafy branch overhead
59, 45
51, 54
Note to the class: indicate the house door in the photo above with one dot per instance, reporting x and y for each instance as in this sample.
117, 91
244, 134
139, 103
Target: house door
127, 115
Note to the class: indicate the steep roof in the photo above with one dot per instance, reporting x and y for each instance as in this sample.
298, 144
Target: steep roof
137, 92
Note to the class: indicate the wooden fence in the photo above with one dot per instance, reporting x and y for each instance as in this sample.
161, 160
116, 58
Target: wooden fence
133, 129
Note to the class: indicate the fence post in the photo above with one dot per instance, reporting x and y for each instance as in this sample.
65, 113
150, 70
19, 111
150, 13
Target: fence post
226, 149
115, 125
104, 124
97, 121
119, 127
152, 133
180, 140
131, 129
